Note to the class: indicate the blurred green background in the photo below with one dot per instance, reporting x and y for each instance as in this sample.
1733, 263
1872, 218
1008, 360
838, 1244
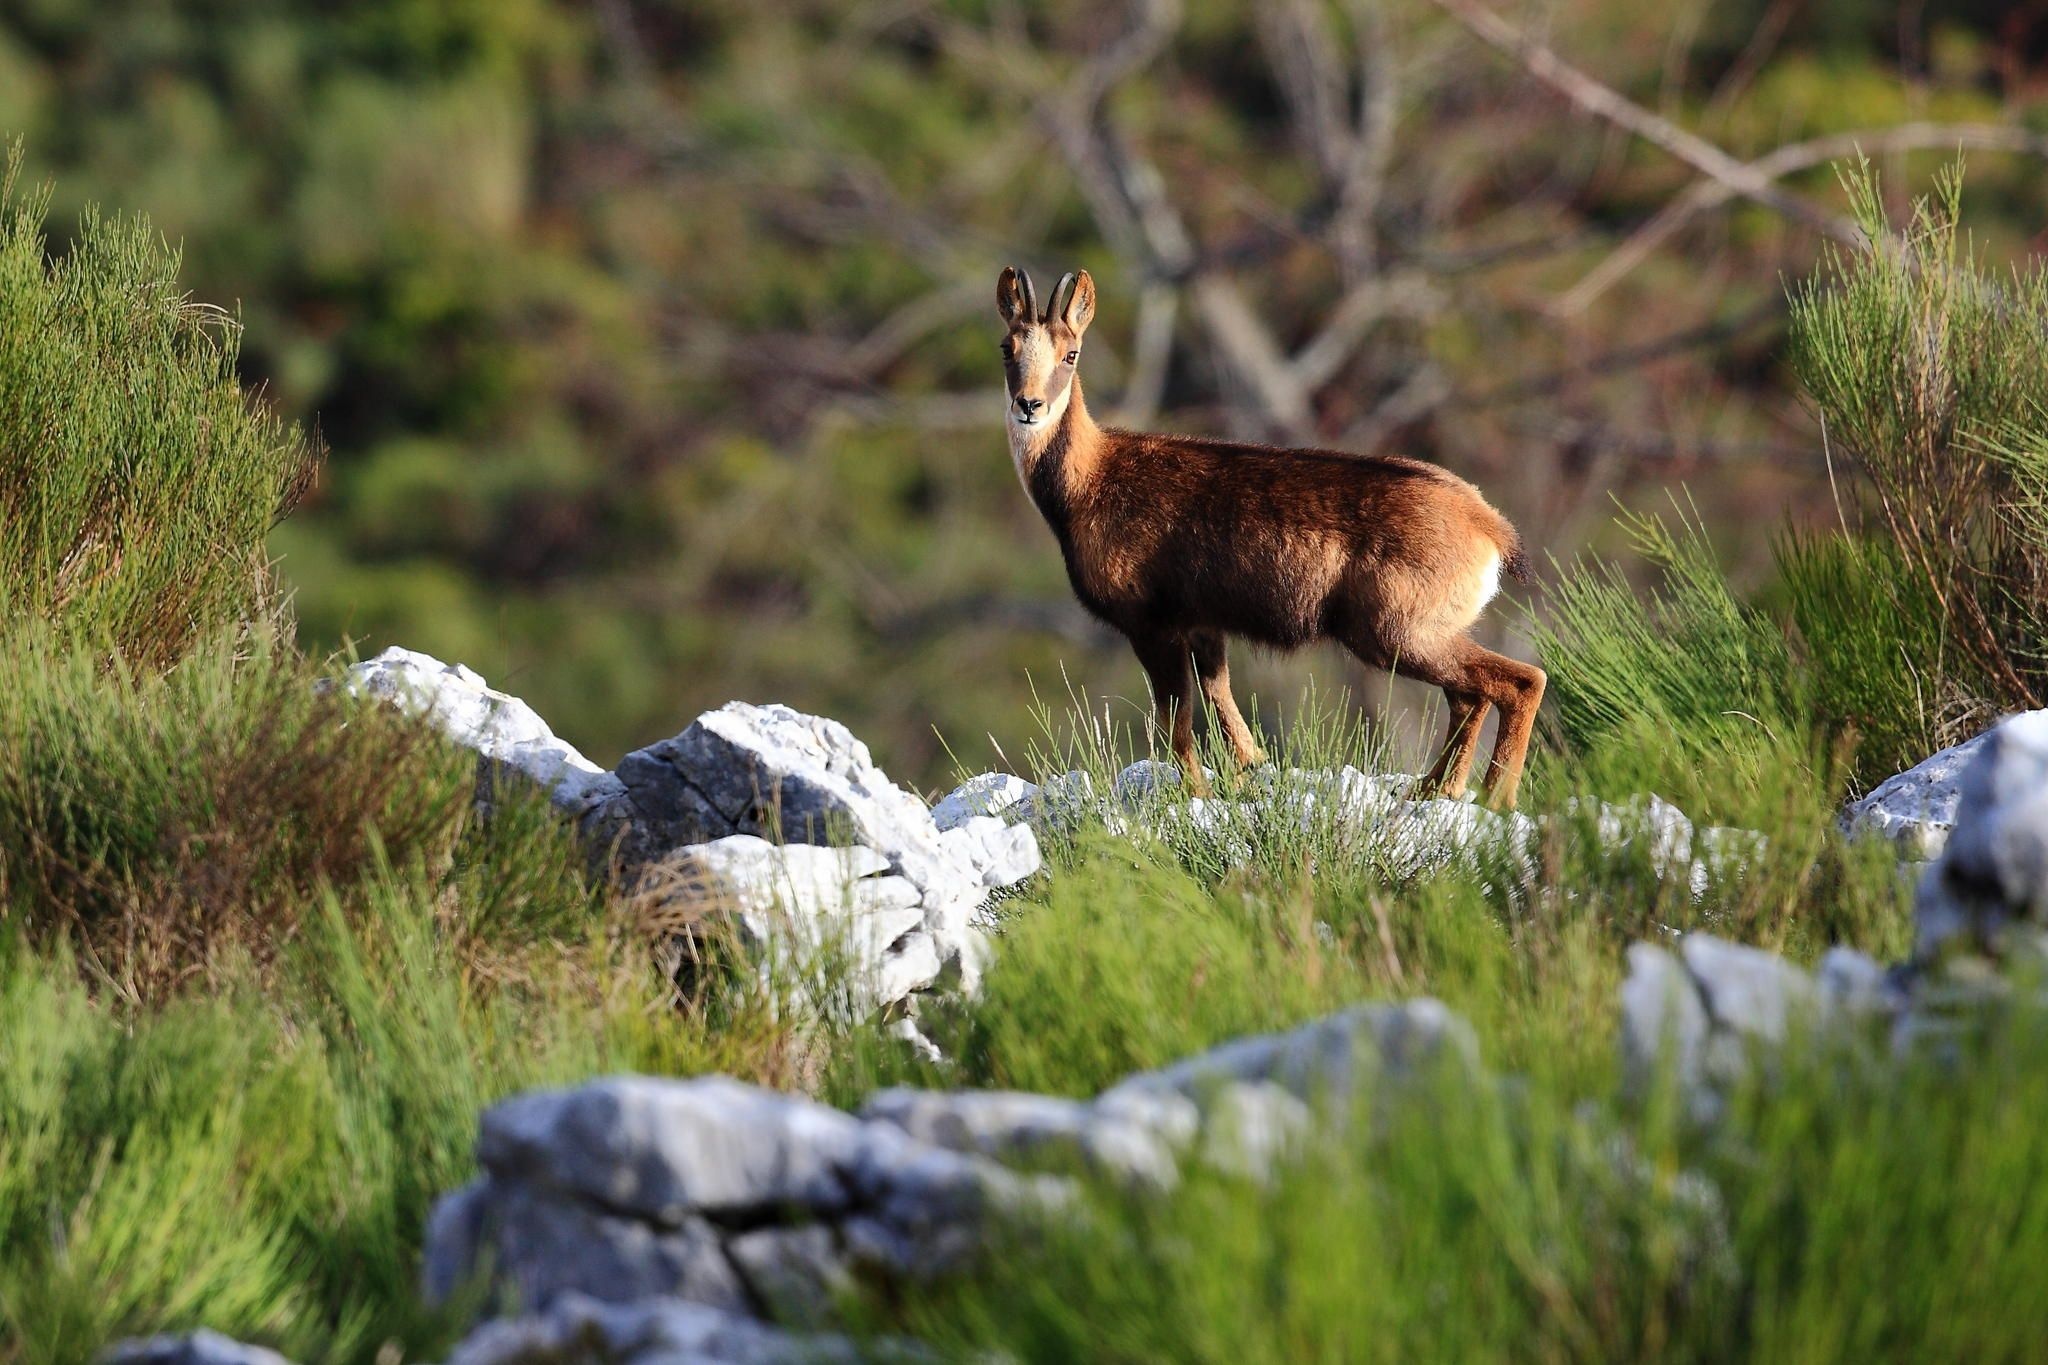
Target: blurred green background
653, 342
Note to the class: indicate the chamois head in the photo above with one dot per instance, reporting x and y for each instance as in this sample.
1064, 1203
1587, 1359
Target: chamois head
1042, 350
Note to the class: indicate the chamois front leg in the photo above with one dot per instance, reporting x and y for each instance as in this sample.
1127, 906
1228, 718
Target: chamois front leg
1213, 667
1167, 667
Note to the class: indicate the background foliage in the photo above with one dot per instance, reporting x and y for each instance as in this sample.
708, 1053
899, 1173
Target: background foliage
650, 338
649, 342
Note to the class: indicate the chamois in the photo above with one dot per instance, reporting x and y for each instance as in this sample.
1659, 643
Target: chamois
1180, 542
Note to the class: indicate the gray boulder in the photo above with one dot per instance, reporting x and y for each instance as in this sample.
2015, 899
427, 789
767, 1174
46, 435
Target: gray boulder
1709, 1014
1021, 1129
712, 1192
578, 1329
1991, 880
745, 1200
504, 731
1326, 1061
1916, 809
193, 1348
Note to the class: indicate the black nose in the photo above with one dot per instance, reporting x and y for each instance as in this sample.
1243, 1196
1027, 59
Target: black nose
1030, 406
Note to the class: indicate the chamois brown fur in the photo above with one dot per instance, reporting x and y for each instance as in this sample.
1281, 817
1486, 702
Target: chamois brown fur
1180, 542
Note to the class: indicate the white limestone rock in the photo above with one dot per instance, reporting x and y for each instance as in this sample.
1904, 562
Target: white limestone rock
813, 918
193, 1348
775, 772
578, 1329
987, 794
1916, 809
502, 729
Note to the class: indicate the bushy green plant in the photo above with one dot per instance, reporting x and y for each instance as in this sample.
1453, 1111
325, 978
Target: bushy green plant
1871, 637
137, 479
1915, 623
160, 819
262, 1159
1691, 660
1923, 363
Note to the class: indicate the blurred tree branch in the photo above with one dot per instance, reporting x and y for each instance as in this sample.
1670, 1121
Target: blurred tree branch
1708, 194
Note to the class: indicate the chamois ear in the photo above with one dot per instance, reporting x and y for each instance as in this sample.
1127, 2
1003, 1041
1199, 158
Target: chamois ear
1014, 296
1078, 308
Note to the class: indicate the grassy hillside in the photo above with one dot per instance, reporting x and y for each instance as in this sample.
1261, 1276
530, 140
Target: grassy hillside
654, 342
262, 960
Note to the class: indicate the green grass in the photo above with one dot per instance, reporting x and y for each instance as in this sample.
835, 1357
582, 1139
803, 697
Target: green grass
261, 965
1510, 1224
137, 480
307, 1106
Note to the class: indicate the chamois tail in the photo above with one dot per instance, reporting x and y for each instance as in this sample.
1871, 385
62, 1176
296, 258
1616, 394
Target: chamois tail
1514, 562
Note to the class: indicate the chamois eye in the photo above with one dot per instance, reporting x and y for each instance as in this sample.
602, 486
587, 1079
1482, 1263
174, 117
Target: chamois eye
1073, 356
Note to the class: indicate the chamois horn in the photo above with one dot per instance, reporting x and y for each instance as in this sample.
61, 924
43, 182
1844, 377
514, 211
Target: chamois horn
1064, 287
1024, 287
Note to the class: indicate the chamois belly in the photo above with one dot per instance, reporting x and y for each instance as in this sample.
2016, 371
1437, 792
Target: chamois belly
1177, 585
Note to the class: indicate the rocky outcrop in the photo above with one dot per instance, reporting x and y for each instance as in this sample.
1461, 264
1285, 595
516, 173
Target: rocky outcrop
1706, 1014
1916, 809
1714, 1013
580, 1330
748, 1201
712, 1192
1369, 816
840, 882
1988, 891
193, 1348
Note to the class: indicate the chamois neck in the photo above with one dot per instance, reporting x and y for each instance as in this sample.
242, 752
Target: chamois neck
1064, 444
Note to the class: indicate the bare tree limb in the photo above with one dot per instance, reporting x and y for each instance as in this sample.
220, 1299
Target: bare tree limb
1704, 195
1623, 358
1355, 232
889, 339
1151, 354
1604, 102
1409, 294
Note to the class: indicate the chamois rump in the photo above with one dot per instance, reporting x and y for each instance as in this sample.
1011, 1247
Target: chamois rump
1180, 542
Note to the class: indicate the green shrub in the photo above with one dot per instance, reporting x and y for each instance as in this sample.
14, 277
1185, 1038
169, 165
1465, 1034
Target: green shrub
1872, 644
137, 480
262, 1159
161, 819
1690, 659
1923, 366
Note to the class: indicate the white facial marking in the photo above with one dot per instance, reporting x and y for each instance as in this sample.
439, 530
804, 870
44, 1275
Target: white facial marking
1027, 439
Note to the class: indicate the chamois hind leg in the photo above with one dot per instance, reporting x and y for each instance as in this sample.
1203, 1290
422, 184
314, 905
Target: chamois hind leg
1460, 665
1212, 666
1515, 687
1167, 666
1461, 740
